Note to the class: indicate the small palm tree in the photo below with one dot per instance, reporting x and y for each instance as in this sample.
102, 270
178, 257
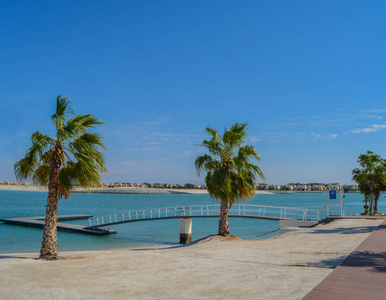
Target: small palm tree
67, 160
230, 172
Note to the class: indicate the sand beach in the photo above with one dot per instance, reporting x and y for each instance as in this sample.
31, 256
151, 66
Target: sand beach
283, 267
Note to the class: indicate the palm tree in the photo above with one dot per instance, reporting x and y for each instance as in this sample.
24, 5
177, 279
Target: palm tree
230, 172
371, 178
69, 159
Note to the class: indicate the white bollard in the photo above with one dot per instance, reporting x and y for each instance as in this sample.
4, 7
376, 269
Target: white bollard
185, 230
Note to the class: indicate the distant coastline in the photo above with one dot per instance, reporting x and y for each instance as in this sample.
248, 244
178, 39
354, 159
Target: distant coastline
33, 188
123, 190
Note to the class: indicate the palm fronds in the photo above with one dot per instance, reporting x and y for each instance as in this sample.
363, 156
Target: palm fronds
81, 161
230, 171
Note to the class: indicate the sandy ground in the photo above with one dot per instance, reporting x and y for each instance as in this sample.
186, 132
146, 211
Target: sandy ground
283, 267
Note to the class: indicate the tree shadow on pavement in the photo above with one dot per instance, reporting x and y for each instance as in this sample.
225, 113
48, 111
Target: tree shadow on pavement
343, 230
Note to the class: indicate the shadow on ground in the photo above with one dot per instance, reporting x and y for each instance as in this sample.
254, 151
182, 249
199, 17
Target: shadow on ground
14, 256
376, 261
352, 230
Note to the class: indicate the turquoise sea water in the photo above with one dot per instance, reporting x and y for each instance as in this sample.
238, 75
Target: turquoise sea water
17, 239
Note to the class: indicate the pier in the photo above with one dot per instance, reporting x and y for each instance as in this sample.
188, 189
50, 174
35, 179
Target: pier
290, 218
39, 222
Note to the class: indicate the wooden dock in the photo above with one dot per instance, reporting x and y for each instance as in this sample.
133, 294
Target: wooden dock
362, 275
39, 222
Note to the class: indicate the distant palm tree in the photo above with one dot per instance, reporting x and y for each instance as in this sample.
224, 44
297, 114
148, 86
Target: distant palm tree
69, 159
230, 172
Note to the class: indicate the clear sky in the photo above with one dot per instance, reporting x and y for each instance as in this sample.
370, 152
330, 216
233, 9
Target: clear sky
308, 77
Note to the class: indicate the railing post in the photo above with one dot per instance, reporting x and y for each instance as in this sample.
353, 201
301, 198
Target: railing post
239, 210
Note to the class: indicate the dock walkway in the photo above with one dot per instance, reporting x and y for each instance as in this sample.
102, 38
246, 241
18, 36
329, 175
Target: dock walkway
39, 222
362, 275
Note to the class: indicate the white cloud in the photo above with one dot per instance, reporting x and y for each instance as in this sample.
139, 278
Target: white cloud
373, 128
373, 117
376, 110
126, 163
188, 153
158, 121
324, 137
254, 139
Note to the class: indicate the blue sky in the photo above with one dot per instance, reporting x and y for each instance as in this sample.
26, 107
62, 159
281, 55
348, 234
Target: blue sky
307, 76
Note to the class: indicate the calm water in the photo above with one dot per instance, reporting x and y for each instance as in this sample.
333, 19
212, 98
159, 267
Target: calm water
15, 204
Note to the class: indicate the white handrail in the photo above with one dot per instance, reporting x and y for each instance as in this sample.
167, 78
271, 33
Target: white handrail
304, 214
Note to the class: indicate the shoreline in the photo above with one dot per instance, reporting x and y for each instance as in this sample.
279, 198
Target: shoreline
146, 191
299, 260
26, 188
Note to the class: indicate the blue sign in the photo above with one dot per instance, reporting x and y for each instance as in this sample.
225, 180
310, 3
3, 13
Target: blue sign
332, 194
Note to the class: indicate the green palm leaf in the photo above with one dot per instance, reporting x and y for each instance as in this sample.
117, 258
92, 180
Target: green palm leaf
230, 171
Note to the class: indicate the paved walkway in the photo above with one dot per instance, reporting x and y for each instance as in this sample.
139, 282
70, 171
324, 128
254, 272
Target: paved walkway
362, 275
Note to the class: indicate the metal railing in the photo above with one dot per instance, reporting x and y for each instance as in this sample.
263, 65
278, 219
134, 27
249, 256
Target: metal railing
263, 211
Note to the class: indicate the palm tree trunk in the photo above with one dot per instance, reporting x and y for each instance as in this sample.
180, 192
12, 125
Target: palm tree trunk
376, 197
223, 224
49, 249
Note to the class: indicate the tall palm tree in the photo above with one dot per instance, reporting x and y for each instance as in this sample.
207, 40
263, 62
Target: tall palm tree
230, 172
66, 160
